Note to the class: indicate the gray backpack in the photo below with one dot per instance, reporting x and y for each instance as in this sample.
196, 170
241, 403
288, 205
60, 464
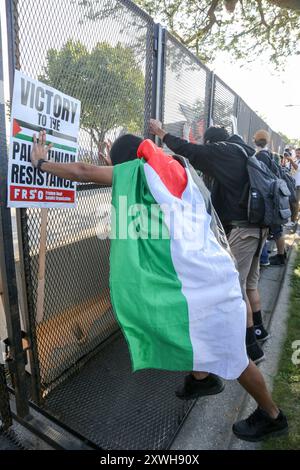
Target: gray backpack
282, 173
268, 194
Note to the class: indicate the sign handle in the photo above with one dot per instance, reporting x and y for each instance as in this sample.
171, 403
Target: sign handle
42, 267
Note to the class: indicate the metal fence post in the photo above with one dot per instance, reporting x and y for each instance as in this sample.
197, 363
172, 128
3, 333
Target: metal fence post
210, 96
237, 110
155, 67
16, 354
24, 288
158, 74
250, 128
236, 104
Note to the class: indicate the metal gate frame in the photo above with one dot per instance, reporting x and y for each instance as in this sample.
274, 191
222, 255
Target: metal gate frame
12, 346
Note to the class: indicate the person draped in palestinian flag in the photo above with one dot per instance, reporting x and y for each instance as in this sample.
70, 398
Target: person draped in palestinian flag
182, 307
174, 286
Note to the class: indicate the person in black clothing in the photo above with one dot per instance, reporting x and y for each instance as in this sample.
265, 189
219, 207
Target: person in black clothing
261, 140
224, 158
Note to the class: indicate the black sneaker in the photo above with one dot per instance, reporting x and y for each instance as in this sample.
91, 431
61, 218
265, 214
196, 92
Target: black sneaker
261, 333
259, 425
278, 260
193, 388
255, 353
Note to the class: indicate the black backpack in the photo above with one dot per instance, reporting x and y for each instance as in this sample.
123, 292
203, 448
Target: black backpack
283, 173
268, 196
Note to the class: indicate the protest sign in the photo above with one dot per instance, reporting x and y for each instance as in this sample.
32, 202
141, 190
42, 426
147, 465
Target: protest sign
38, 106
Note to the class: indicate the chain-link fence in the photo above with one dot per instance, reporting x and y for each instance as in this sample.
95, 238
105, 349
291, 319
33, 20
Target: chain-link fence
186, 93
277, 144
224, 108
256, 123
107, 54
101, 53
5, 412
243, 120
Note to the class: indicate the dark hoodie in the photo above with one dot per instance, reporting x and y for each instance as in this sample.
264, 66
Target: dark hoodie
226, 163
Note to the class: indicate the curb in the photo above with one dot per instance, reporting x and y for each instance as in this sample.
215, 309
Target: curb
278, 326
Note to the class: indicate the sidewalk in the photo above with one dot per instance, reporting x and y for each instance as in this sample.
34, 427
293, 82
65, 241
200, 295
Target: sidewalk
208, 426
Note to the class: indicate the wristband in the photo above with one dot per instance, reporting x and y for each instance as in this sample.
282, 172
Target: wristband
40, 162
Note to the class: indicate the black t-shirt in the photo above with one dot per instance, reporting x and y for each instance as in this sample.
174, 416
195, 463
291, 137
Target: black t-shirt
226, 163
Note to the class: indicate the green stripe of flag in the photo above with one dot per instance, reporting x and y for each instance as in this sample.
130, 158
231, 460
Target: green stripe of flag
57, 146
146, 292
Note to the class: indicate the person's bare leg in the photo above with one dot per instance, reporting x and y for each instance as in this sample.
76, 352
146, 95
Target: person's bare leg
249, 312
254, 299
280, 243
295, 212
200, 375
253, 382
260, 331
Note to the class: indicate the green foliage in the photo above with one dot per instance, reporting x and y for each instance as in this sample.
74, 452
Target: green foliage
293, 142
255, 27
108, 82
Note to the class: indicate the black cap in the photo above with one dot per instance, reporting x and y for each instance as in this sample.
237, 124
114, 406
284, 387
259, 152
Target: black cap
125, 149
215, 134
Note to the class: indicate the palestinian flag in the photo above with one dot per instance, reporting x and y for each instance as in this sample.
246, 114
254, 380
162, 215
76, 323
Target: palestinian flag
24, 131
174, 286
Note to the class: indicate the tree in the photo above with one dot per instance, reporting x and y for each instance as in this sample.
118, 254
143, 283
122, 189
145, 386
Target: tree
288, 141
108, 82
244, 28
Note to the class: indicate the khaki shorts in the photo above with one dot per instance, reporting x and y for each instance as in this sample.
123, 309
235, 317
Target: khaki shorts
243, 243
